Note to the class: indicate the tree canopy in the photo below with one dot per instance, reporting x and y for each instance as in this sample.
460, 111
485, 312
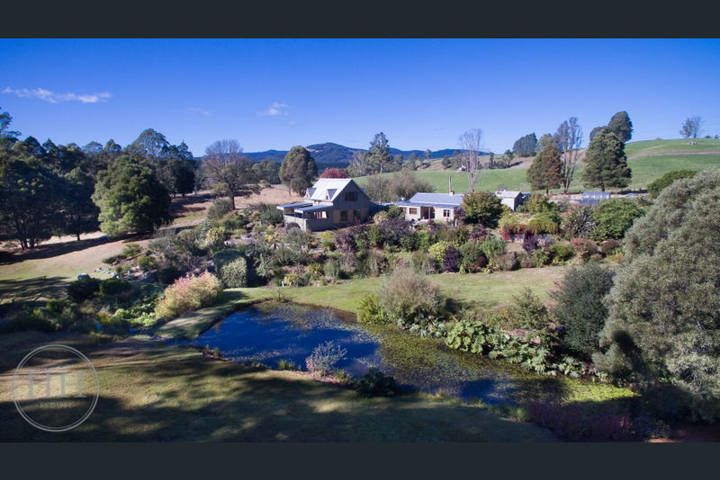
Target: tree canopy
298, 169
621, 126
130, 198
606, 163
526, 146
546, 170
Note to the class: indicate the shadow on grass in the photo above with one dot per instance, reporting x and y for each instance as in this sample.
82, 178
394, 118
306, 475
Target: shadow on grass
189, 399
15, 294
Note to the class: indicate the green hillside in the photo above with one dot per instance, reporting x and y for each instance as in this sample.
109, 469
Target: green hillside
648, 159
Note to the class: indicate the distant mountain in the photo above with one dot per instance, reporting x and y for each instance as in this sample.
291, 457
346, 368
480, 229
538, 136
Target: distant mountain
339, 155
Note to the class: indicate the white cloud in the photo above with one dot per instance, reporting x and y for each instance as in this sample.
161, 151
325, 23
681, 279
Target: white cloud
199, 111
275, 109
53, 97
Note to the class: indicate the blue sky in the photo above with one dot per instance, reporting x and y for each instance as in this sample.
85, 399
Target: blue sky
422, 93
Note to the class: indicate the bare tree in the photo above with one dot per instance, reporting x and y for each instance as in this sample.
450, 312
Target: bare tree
569, 140
691, 127
228, 171
471, 143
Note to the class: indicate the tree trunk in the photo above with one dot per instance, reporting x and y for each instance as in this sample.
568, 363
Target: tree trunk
232, 200
77, 236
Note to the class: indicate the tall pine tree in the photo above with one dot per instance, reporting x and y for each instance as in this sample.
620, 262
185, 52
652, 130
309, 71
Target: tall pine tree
606, 163
546, 170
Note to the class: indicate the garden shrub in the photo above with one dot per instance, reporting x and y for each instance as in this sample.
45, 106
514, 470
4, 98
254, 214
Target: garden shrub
375, 263
493, 247
331, 268
376, 384
658, 185
395, 212
423, 263
370, 310
584, 248
114, 286
451, 261
528, 311
234, 274
187, 294
130, 250
663, 325
561, 252
215, 238
579, 306
392, 232
473, 257
538, 203
615, 217
610, 246
412, 302
324, 357
543, 223
270, 215
482, 207
327, 240
578, 222
511, 224
146, 263
168, 275
478, 233
437, 251
507, 261
81, 290
219, 209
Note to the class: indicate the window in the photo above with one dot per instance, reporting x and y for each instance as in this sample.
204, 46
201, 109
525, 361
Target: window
356, 214
446, 213
343, 215
351, 196
412, 211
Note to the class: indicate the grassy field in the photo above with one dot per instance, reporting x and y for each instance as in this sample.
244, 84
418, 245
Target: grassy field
648, 160
152, 392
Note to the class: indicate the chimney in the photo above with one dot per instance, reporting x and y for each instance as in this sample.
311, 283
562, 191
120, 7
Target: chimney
450, 190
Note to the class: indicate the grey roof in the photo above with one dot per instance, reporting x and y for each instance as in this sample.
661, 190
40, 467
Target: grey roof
314, 208
508, 194
293, 205
437, 199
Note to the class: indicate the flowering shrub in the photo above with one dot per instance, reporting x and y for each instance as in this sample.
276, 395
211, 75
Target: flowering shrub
187, 294
324, 357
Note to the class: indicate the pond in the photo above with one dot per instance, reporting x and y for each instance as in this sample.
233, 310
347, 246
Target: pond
270, 333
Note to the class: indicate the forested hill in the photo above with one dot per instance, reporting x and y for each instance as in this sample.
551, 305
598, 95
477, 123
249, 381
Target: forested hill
335, 154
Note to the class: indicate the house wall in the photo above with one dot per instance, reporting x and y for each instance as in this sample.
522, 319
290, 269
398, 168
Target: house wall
410, 216
439, 217
510, 202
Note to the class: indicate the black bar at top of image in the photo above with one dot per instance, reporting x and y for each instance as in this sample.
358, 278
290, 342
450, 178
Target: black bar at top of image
367, 18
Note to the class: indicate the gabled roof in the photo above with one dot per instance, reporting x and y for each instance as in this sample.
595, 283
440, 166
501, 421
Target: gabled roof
327, 189
440, 199
508, 193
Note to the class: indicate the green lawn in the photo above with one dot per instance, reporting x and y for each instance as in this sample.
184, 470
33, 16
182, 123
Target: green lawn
648, 160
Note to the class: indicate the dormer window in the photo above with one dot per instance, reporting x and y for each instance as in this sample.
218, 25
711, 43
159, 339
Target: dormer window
330, 193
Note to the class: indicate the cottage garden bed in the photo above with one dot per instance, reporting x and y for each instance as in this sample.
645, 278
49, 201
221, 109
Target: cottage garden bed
250, 248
